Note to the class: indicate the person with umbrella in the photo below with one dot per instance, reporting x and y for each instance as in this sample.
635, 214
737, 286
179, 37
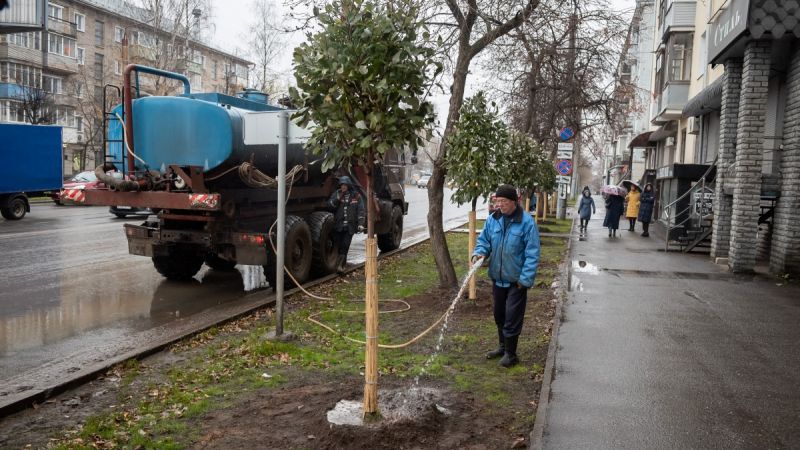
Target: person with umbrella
614, 208
632, 199
586, 208
646, 201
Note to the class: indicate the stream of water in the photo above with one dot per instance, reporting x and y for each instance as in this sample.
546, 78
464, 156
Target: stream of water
438, 348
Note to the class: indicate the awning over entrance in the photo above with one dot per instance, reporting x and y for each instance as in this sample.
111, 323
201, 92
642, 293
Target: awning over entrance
641, 140
664, 132
707, 100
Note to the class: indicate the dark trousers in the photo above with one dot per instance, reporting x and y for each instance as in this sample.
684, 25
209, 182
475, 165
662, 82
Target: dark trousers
584, 223
509, 308
343, 239
646, 227
632, 222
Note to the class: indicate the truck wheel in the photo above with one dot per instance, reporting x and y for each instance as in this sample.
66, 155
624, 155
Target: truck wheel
298, 252
180, 265
391, 240
217, 263
323, 243
15, 209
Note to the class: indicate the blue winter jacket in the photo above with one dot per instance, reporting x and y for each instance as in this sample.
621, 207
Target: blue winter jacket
513, 249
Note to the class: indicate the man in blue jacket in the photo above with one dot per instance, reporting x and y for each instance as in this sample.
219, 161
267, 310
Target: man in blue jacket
511, 241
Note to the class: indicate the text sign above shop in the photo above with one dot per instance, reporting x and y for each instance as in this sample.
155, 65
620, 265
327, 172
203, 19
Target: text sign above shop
727, 25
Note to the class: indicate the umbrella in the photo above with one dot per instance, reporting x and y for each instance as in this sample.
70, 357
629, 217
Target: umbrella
610, 189
629, 183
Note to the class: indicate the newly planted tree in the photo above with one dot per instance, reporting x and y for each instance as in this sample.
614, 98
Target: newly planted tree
527, 165
472, 151
362, 82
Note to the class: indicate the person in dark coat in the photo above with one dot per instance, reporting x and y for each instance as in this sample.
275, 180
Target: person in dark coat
586, 207
348, 207
614, 209
647, 200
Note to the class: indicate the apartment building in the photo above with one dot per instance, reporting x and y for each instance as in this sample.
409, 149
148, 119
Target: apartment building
61, 72
725, 136
630, 140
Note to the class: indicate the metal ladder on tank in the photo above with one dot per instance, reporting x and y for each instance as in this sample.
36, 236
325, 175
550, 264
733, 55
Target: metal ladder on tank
108, 117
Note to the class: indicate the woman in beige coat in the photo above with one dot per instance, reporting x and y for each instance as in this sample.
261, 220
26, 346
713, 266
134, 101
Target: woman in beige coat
632, 199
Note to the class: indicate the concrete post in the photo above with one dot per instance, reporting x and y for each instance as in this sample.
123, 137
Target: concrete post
785, 253
749, 156
729, 116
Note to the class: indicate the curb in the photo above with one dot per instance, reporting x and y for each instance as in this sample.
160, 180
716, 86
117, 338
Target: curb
537, 435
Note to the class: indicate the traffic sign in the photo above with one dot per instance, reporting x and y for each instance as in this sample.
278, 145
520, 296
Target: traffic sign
562, 191
565, 146
564, 154
566, 133
564, 166
561, 179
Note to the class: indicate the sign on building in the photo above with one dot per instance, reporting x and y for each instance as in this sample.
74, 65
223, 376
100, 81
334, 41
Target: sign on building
727, 26
703, 202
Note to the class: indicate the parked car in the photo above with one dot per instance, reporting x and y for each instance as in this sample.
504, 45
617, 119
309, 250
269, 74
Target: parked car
125, 211
423, 182
82, 180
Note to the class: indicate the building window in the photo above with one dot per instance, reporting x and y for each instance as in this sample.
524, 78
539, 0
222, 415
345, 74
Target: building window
119, 33
51, 84
98, 95
79, 88
98, 33
11, 111
214, 70
55, 11
61, 45
31, 40
680, 56
20, 74
81, 52
80, 22
117, 67
98, 67
79, 123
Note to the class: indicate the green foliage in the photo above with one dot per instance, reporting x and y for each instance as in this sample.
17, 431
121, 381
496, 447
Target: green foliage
472, 149
363, 79
526, 165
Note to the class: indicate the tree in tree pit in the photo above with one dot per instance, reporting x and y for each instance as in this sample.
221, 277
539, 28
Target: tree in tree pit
526, 164
362, 80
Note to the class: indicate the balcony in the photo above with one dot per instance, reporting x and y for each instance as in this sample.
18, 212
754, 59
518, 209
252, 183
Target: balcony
194, 67
26, 15
679, 17
22, 54
61, 64
141, 52
62, 27
669, 105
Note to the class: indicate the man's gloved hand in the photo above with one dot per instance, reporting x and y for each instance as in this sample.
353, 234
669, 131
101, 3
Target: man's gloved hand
519, 286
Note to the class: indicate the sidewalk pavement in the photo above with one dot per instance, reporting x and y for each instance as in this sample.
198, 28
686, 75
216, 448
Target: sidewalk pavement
670, 351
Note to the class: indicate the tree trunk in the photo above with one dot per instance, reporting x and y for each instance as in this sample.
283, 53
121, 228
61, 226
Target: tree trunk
441, 254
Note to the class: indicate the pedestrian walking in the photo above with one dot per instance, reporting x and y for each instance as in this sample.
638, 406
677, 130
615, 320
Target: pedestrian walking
632, 211
614, 209
586, 207
348, 207
511, 241
647, 201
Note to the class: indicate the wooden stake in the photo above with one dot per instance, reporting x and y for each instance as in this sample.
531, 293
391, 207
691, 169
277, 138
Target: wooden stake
473, 290
371, 360
546, 206
527, 203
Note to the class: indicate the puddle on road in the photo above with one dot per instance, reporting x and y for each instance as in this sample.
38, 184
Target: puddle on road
585, 267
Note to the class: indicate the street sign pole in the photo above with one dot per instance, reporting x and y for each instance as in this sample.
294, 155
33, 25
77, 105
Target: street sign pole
564, 167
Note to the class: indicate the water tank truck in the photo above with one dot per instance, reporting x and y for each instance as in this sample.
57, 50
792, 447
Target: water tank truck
205, 163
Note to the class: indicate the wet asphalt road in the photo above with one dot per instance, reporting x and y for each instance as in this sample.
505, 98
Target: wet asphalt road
68, 286
669, 351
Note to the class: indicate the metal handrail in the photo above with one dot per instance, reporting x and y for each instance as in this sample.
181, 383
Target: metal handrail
701, 186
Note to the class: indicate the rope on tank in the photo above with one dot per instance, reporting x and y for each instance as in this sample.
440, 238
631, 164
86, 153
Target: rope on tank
255, 178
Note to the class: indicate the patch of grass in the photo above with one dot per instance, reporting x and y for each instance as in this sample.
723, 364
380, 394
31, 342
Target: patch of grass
223, 363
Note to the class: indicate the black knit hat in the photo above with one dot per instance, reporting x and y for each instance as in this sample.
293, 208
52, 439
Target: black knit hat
506, 191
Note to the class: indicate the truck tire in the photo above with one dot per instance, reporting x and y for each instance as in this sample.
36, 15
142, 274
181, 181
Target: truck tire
391, 240
323, 243
219, 264
15, 209
298, 253
180, 265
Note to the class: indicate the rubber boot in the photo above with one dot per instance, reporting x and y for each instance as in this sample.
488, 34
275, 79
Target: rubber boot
341, 264
510, 357
501, 349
